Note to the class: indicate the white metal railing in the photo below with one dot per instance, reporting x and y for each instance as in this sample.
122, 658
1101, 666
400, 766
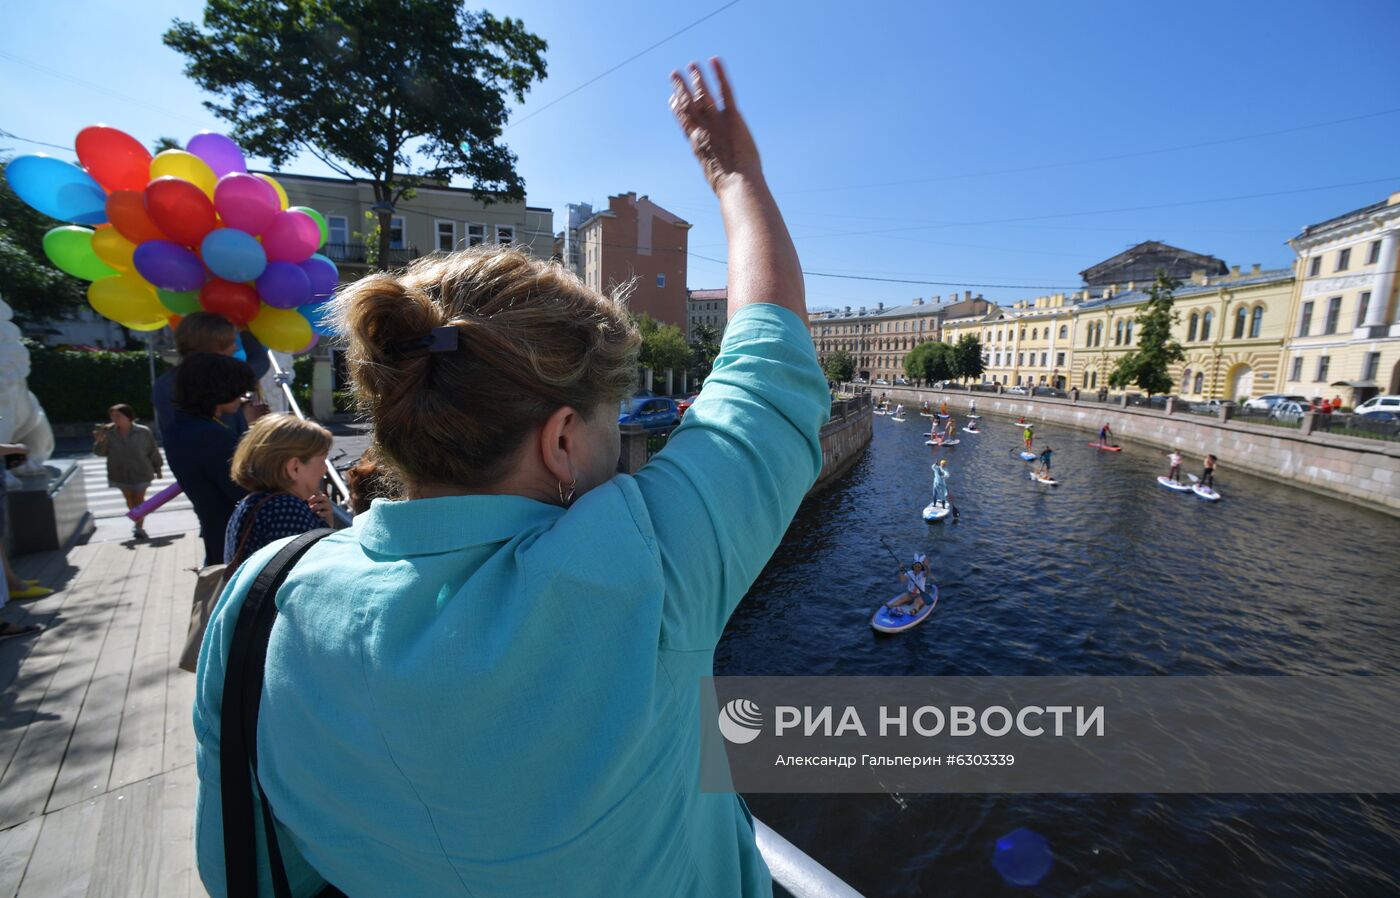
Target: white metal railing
284, 380
795, 870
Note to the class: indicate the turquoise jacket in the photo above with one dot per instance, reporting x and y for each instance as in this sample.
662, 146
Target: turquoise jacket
493, 696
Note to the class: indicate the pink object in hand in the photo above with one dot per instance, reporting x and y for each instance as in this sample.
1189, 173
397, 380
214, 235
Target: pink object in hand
156, 501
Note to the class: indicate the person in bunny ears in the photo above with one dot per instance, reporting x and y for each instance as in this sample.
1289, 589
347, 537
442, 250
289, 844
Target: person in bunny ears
915, 582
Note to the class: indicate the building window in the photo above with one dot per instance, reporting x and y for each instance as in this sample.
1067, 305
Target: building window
1371, 367
1200, 382
1241, 319
1373, 255
1020, 358
1059, 360
339, 229
1128, 332
1086, 380
1043, 357
1343, 259
1034, 331
1256, 321
1191, 329
1118, 334
396, 232
1305, 321
1064, 331
1323, 363
1094, 379
446, 236
1023, 333
1297, 372
661, 280
1205, 324
1315, 266
505, 234
1363, 304
1334, 311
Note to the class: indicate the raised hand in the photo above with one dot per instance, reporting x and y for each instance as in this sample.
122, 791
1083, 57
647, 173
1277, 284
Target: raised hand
718, 136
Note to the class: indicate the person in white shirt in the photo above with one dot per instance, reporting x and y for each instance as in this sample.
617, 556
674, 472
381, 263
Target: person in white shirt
915, 582
1174, 474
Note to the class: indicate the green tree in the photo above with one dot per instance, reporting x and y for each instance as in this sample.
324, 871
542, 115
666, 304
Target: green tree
34, 288
1147, 366
931, 361
840, 367
967, 353
666, 348
165, 143
401, 92
704, 346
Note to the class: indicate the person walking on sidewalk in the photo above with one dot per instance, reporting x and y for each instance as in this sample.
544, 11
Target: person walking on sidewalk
133, 459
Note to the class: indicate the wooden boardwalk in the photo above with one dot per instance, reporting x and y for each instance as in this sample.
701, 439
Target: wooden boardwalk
97, 778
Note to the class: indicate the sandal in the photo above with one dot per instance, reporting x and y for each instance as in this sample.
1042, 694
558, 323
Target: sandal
10, 631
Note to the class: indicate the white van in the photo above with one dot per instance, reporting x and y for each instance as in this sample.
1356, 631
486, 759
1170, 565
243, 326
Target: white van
1379, 404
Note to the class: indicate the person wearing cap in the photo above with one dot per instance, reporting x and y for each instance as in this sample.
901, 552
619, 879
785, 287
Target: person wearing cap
915, 581
1029, 434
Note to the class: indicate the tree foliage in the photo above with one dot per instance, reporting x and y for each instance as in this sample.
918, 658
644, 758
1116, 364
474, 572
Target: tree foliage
704, 346
34, 288
931, 361
663, 345
400, 92
840, 367
967, 354
1147, 366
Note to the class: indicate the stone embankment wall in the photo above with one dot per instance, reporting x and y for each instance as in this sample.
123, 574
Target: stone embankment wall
844, 438
1360, 470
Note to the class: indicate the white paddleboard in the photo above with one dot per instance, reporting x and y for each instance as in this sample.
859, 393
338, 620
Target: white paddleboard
886, 622
925, 415
1206, 492
936, 512
898, 420
971, 430
974, 417
1028, 456
941, 442
1173, 485
1044, 480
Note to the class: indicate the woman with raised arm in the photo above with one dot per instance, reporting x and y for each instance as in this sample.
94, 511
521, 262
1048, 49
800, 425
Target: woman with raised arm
492, 686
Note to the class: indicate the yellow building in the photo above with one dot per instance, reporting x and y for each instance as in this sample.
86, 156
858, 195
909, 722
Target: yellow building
1028, 343
878, 338
1344, 327
1232, 327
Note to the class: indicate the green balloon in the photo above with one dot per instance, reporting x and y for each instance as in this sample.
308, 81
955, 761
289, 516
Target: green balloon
180, 303
318, 218
70, 248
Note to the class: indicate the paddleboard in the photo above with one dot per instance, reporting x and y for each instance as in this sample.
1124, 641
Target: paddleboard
1205, 492
941, 415
1028, 456
898, 420
881, 412
936, 512
971, 430
974, 417
1173, 485
885, 622
1107, 448
925, 415
941, 442
1044, 480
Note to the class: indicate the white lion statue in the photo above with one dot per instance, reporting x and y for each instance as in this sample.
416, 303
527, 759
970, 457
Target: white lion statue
22, 419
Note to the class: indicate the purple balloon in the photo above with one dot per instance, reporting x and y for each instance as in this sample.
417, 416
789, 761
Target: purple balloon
247, 203
218, 152
323, 276
292, 237
169, 266
284, 285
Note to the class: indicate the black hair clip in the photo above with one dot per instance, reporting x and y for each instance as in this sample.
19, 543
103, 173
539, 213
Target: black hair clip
439, 339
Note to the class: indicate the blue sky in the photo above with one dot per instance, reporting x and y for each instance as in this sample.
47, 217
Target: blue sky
923, 141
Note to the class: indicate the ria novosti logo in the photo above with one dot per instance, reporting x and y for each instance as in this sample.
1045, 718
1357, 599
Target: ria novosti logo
740, 721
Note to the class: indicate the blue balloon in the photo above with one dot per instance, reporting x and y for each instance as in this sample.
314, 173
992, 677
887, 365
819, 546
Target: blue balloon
319, 316
169, 266
233, 255
58, 189
1022, 857
239, 353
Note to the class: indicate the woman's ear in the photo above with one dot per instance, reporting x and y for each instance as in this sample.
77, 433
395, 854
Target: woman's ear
291, 468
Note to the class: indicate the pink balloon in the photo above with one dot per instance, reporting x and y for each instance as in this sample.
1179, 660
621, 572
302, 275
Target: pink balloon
246, 202
292, 237
218, 152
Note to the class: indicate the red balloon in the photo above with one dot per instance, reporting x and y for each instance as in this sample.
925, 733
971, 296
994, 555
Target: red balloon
238, 303
115, 159
126, 210
180, 209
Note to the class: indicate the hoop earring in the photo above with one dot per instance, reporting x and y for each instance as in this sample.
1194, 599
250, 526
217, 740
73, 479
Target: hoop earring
566, 498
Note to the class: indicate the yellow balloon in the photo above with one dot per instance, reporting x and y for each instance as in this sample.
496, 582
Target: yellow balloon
114, 249
127, 297
281, 195
154, 325
285, 330
188, 166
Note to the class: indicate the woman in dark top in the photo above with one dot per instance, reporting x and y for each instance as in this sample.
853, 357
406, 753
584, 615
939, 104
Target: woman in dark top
281, 461
200, 447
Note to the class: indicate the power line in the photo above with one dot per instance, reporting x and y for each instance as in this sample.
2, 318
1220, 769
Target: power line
12, 136
90, 85
1110, 158
624, 62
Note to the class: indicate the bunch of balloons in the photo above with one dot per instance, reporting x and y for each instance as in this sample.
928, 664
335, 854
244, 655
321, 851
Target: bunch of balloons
162, 236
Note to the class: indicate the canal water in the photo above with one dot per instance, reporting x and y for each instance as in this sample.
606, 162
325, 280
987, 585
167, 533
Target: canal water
1107, 574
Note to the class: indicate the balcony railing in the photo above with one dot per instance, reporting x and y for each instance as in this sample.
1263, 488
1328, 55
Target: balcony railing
356, 254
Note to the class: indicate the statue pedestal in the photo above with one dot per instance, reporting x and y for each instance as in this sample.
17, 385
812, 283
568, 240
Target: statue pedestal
49, 511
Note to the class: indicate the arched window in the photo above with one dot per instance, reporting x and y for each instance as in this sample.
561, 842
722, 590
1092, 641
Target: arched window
1200, 379
1205, 324
1094, 379
1086, 380
1064, 331
1241, 318
1186, 381
1256, 321
1128, 333
1118, 334
1191, 329
1034, 331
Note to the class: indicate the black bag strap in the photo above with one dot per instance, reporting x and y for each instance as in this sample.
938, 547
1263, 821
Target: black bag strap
238, 740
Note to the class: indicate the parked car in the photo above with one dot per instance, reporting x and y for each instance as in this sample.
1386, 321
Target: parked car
683, 404
1289, 410
1378, 422
1018, 390
1378, 404
1269, 400
881, 382
652, 412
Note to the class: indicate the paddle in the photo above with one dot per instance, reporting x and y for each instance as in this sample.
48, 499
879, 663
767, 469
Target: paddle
902, 568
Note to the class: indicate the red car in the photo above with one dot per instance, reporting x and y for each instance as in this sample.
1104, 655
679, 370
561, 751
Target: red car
683, 404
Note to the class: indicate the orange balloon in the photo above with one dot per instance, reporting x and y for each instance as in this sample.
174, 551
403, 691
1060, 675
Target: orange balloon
126, 210
114, 249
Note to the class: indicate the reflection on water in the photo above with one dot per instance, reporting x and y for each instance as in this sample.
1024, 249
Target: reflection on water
1107, 574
